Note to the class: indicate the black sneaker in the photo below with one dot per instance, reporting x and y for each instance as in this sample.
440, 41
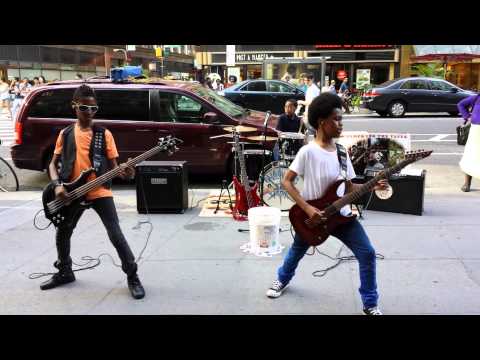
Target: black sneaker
135, 287
58, 279
373, 311
276, 289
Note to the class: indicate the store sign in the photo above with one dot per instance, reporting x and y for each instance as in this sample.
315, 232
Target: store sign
350, 47
341, 74
230, 55
363, 78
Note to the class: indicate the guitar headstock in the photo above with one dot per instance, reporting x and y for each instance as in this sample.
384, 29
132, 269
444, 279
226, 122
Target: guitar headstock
413, 156
169, 144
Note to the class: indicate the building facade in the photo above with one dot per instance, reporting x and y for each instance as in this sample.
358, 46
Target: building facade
380, 62
63, 62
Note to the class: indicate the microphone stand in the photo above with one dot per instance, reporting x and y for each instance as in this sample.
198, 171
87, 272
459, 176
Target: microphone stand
262, 173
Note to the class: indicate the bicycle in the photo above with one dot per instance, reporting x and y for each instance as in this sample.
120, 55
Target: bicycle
8, 177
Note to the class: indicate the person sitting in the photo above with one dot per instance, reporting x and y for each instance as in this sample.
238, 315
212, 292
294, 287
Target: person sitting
287, 122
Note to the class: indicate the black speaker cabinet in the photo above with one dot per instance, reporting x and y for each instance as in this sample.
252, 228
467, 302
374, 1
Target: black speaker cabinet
162, 186
406, 195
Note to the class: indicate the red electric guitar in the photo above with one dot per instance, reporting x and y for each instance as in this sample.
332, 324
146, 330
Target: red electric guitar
245, 196
315, 231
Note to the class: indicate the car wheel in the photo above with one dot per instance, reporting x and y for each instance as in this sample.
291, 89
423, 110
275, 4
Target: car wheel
382, 113
397, 108
454, 113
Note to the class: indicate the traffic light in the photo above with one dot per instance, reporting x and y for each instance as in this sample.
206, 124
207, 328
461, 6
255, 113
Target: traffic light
158, 52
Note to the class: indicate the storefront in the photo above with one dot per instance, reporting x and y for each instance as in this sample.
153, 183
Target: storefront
363, 65
458, 64
374, 64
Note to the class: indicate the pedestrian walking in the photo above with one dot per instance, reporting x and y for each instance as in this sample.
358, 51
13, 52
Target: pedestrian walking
312, 92
5, 97
220, 86
301, 85
332, 88
78, 77
344, 94
42, 80
21, 90
469, 108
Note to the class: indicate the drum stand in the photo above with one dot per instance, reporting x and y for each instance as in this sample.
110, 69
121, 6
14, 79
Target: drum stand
224, 187
262, 172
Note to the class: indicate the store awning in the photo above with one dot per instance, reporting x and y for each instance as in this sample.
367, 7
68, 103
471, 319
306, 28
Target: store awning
446, 53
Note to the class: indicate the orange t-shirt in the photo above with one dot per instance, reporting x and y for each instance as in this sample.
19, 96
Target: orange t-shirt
82, 161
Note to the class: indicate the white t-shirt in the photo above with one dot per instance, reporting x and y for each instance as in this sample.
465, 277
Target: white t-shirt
320, 168
312, 92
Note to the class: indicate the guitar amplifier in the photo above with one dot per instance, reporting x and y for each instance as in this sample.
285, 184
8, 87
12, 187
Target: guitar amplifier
405, 196
162, 186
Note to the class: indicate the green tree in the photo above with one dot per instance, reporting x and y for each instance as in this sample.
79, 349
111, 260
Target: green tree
435, 70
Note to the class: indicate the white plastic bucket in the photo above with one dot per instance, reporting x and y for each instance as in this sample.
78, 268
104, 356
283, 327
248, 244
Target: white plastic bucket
264, 224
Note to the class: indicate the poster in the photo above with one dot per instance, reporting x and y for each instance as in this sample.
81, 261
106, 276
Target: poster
363, 78
230, 55
235, 71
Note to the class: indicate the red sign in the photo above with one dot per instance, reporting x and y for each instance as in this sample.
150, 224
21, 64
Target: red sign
341, 74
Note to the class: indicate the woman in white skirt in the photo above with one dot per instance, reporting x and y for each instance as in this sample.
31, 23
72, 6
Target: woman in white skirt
470, 163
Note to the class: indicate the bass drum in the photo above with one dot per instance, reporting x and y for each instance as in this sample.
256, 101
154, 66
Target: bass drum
273, 193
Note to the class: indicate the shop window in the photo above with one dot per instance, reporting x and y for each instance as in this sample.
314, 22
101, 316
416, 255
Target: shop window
28, 53
256, 86
49, 54
414, 85
53, 104
68, 56
123, 105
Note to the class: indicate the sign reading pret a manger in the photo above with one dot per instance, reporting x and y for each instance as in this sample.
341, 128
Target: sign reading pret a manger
254, 57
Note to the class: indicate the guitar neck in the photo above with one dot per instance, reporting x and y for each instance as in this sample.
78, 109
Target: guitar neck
365, 188
84, 189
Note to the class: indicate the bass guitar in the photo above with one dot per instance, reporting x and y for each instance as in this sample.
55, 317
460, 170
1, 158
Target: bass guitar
59, 211
316, 230
245, 196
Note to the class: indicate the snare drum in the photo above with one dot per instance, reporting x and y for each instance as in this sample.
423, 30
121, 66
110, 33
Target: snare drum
289, 144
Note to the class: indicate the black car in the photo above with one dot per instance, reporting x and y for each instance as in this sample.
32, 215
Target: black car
414, 94
263, 95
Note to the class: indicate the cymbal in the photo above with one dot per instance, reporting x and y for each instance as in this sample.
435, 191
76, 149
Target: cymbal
230, 136
241, 143
239, 128
261, 138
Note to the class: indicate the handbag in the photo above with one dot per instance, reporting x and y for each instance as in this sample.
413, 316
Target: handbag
462, 134
463, 130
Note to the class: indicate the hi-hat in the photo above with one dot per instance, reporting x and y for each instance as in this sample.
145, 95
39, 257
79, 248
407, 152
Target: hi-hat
239, 128
261, 138
230, 136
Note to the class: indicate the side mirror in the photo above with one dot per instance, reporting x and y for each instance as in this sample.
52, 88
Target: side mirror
296, 91
453, 90
210, 118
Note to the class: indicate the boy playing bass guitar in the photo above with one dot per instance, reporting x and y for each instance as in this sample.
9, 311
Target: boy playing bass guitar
76, 149
318, 164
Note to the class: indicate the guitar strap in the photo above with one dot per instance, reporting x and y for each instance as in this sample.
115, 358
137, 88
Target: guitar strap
98, 149
342, 159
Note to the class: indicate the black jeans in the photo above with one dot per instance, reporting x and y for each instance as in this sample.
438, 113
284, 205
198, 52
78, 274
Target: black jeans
105, 208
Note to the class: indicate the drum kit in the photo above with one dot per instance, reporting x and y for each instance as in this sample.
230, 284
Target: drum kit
260, 165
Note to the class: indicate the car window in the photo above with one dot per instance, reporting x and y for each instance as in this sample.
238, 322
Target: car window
167, 107
274, 86
219, 101
53, 104
188, 110
414, 85
256, 86
123, 105
440, 85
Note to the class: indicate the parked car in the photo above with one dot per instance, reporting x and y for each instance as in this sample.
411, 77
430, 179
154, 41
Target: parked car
263, 95
414, 94
138, 114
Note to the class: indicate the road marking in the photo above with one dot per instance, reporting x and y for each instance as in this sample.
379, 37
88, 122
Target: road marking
438, 137
434, 153
430, 140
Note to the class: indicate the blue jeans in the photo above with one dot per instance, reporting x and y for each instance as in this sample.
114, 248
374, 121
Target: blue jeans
354, 237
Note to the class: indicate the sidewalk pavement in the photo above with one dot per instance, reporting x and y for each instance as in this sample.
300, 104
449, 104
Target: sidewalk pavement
194, 265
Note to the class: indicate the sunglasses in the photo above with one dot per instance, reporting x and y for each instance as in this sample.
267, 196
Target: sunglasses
84, 108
